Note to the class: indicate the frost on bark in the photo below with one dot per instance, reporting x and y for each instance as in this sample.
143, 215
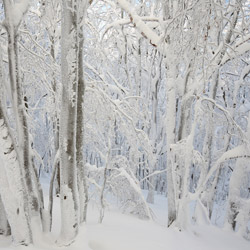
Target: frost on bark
82, 180
238, 211
209, 194
4, 224
155, 131
13, 191
238, 207
68, 122
170, 123
12, 23
12, 188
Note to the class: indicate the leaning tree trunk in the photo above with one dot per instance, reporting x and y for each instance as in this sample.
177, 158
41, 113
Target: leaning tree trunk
4, 224
13, 193
23, 143
12, 188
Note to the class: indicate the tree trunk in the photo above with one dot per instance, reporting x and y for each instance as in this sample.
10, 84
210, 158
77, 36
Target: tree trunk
4, 224
23, 143
12, 189
68, 123
82, 179
170, 124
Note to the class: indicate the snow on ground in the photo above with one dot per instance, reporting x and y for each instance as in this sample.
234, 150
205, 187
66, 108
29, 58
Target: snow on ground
126, 232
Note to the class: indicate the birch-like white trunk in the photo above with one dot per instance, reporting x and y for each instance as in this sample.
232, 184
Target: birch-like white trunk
12, 188
68, 123
238, 210
4, 224
82, 178
170, 125
153, 137
13, 191
168, 12
208, 195
23, 141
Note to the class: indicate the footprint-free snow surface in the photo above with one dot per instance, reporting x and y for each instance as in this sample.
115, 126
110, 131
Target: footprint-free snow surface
126, 232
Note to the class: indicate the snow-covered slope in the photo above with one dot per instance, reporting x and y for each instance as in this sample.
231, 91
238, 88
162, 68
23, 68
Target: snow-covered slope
126, 232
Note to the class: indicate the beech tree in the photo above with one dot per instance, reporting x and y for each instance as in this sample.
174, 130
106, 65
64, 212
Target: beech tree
123, 97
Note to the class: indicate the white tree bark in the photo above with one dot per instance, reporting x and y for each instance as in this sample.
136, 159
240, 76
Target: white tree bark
68, 121
170, 124
13, 192
4, 224
82, 179
12, 23
12, 188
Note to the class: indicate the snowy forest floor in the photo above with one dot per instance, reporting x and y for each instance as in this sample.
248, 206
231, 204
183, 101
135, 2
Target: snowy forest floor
126, 232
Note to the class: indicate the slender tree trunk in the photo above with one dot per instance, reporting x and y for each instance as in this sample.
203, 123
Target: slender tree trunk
12, 188
82, 179
56, 116
238, 209
102, 201
170, 124
208, 200
235, 202
4, 224
68, 123
51, 189
22, 129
